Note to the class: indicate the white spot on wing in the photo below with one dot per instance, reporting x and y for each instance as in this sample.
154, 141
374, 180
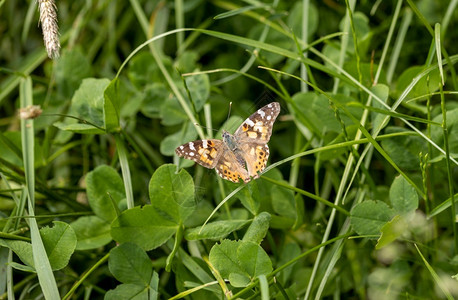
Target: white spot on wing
269, 106
191, 153
181, 147
249, 122
261, 113
191, 146
269, 117
205, 143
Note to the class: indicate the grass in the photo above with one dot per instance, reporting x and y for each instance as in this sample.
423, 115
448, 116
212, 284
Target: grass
359, 196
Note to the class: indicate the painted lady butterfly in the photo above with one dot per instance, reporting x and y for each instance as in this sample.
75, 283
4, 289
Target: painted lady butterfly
241, 155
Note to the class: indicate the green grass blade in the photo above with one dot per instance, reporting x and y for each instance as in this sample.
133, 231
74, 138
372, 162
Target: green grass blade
42, 266
437, 39
124, 162
434, 275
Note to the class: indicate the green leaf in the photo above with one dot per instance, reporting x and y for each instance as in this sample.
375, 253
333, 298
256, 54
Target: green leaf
102, 183
437, 133
249, 197
78, 127
59, 242
239, 259
215, 230
368, 217
128, 292
239, 280
22, 249
112, 106
403, 196
130, 264
427, 84
404, 150
172, 113
283, 202
155, 229
391, 231
258, 229
91, 232
87, 104
254, 259
170, 142
172, 194
70, 69
155, 96
199, 87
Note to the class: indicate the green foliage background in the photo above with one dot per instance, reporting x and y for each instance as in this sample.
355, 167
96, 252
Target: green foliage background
359, 198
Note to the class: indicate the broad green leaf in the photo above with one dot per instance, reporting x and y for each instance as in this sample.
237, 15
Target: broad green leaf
404, 150
215, 230
143, 226
155, 96
403, 196
249, 197
239, 280
199, 87
427, 84
283, 202
187, 61
172, 194
112, 105
70, 69
290, 251
224, 258
87, 104
59, 242
128, 292
91, 232
78, 127
170, 142
317, 111
437, 133
391, 231
22, 249
172, 113
295, 18
368, 217
258, 229
238, 259
102, 184
130, 264
143, 69
254, 259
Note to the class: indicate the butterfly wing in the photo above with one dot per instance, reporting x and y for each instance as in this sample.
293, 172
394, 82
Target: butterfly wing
257, 128
256, 156
253, 136
204, 152
229, 167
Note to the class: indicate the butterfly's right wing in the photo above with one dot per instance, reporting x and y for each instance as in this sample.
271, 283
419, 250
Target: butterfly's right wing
229, 167
204, 152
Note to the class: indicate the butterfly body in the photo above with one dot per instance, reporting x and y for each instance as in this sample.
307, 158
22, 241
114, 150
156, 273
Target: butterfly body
241, 155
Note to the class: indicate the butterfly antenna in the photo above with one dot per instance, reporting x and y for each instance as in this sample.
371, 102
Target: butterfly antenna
197, 124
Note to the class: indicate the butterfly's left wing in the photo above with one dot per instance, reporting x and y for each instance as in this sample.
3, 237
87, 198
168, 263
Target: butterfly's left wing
253, 135
257, 128
204, 152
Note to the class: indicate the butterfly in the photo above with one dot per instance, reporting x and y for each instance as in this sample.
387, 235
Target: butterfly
238, 156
